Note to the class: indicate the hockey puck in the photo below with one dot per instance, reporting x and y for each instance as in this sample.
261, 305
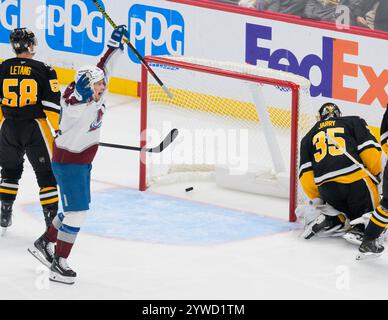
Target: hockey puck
189, 189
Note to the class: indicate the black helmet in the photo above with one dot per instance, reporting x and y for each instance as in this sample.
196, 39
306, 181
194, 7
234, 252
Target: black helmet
329, 110
21, 39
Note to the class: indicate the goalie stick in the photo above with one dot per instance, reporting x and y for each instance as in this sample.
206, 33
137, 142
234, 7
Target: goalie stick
163, 145
353, 160
144, 63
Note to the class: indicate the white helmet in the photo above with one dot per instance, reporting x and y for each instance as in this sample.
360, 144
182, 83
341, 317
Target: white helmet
95, 73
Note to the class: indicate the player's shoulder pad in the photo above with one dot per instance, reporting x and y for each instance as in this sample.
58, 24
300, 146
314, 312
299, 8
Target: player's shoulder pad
48, 67
309, 134
43, 65
354, 119
356, 122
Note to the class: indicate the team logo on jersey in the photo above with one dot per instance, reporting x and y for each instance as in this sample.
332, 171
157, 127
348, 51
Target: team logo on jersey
97, 123
9, 18
75, 26
155, 31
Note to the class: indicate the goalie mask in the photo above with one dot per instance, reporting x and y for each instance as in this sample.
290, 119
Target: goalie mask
329, 110
21, 40
94, 73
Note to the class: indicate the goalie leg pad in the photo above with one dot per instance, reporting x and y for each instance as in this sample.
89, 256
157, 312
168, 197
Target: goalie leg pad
325, 226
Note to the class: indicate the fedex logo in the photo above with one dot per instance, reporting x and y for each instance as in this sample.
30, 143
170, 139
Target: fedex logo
155, 31
331, 64
75, 26
9, 18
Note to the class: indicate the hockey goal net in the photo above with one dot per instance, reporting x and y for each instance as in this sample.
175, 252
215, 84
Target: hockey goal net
239, 125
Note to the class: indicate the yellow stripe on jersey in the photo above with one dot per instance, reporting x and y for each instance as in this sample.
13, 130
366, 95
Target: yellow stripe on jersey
308, 184
46, 134
382, 225
8, 191
53, 119
371, 158
346, 179
49, 201
48, 189
382, 212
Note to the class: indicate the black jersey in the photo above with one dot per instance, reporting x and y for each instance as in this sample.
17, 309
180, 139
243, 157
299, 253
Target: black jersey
384, 132
322, 161
29, 90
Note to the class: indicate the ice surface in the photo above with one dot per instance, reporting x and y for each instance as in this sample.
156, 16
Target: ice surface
209, 243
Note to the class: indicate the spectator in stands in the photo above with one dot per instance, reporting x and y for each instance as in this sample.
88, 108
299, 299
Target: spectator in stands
257, 4
294, 7
330, 10
381, 18
365, 13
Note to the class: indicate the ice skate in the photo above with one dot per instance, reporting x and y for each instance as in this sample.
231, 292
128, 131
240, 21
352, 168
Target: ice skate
43, 250
370, 249
61, 272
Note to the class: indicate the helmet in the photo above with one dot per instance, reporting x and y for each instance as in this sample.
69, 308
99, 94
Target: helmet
21, 39
94, 73
329, 110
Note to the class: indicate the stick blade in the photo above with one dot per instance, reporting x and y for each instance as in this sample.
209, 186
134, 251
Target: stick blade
166, 141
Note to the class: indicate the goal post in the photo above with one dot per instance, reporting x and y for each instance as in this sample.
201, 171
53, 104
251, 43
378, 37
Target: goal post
267, 104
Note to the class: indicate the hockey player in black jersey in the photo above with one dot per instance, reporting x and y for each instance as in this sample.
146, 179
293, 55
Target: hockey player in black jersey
378, 222
29, 96
337, 187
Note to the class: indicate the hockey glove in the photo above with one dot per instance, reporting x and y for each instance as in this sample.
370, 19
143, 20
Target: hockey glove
116, 39
83, 91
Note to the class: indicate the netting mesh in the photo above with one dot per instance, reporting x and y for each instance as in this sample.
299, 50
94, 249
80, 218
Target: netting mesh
242, 123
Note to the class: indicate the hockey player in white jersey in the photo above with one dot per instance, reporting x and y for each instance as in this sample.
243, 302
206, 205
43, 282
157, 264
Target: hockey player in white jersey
74, 149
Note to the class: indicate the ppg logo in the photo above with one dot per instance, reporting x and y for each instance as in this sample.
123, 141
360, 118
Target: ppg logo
9, 18
155, 31
75, 26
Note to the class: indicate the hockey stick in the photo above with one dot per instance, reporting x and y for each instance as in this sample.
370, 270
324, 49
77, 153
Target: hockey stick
163, 145
144, 63
352, 159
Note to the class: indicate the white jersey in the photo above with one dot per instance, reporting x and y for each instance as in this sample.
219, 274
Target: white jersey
79, 134
80, 124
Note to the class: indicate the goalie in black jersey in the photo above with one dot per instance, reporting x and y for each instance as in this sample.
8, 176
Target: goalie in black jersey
29, 96
338, 188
